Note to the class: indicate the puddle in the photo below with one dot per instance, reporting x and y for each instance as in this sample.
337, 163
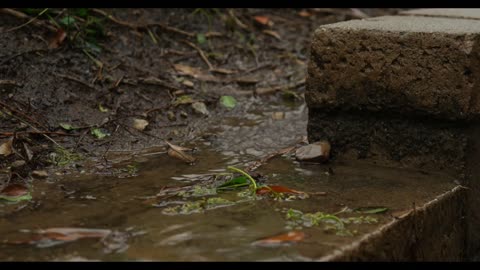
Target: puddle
224, 233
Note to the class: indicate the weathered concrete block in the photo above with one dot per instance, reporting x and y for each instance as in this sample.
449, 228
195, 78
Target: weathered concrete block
408, 65
460, 13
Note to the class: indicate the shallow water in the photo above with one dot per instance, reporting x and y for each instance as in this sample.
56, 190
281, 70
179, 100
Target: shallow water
221, 234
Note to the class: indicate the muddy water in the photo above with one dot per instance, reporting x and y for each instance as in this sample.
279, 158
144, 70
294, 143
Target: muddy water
221, 234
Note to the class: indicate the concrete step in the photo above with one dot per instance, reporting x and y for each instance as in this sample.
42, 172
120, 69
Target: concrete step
404, 91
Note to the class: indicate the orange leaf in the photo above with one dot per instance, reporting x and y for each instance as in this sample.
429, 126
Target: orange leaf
58, 39
263, 20
304, 13
292, 236
15, 190
278, 189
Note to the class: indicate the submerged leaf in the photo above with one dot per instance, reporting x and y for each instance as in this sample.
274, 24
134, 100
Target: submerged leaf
15, 193
371, 210
287, 238
228, 102
277, 189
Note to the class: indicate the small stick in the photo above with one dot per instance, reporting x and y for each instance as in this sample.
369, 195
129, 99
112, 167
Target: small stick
76, 80
10, 82
9, 134
22, 15
202, 54
144, 27
263, 91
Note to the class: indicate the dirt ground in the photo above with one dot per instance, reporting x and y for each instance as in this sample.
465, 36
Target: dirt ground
74, 95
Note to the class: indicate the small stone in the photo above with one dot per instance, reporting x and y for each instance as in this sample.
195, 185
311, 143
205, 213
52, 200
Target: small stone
315, 152
39, 174
171, 116
278, 115
140, 124
18, 163
188, 83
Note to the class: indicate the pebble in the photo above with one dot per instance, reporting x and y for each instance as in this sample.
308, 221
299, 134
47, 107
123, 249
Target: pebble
314, 152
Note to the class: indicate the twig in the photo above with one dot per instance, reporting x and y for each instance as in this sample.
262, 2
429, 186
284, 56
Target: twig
142, 26
202, 54
21, 53
12, 110
263, 91
267, 65
30, 125
76, 80
9, 134
81, 138
153, 81
10, 82
22, 15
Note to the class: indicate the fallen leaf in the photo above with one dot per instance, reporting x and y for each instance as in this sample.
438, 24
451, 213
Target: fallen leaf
56, 41
278, 115
15, 193
102, 109
263, 20
228, 102
201, 38
6, 148
272, 33
72, 234
18, 163
99, 133
200, 107
177, 147
195, 73
140, 124
40, 174
185, 99
277, 189
181, 155
304, 13
28, 151
241, 181
371, 210
287, 238
187, 83
66, 126
67, 20
177, 152
223, 71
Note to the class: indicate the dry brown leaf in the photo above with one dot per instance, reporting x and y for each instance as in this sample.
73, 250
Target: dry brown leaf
181, 155
223, 71
263, 20
195, 73
178, 148
6, 148
272, 33
14, 190
304, 13
58, 39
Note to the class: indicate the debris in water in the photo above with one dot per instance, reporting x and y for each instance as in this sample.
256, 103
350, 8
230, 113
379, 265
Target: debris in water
281, 239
